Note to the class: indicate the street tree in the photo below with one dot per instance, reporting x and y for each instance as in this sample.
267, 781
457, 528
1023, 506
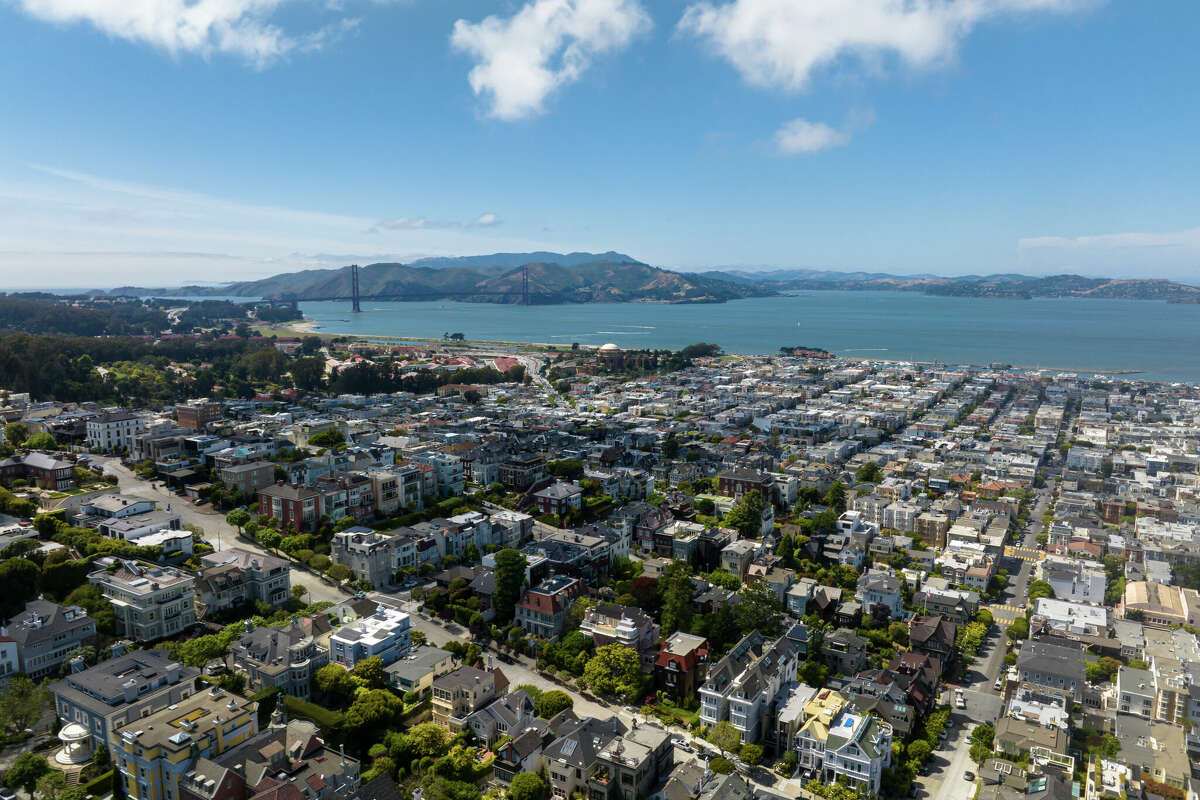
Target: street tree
238, 518
725, 737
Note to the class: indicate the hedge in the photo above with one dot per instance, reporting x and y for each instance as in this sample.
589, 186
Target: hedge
100, 786
325, 718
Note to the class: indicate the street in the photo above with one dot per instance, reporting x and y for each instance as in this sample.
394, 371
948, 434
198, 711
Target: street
217, 532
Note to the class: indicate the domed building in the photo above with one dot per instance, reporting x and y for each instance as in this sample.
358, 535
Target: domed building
611, 357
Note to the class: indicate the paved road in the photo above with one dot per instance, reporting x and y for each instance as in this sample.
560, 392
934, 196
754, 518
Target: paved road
950, 781
217, 532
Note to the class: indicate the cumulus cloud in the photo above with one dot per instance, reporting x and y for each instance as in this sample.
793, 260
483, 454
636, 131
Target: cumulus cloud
240, 28
488, 220
545, 45
801, 137
781, 43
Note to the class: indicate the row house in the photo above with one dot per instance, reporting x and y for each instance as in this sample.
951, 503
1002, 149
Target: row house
373, 557
396, 487
292, 505
346, 494
744, 687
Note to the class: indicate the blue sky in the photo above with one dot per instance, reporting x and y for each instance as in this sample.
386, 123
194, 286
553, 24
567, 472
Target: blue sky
173, 141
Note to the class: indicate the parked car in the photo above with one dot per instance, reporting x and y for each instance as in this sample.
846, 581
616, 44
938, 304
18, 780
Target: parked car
999, 684
7, 793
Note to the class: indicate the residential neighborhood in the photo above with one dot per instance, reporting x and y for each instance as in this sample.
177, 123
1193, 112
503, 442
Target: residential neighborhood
743, 577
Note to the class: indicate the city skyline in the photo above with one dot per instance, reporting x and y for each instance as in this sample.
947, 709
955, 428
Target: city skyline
170, 143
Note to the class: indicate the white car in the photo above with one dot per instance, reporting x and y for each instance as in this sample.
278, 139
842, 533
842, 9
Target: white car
960, 700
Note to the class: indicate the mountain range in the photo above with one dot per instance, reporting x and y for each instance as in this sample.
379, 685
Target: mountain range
613, 277
499, 278
1008, 285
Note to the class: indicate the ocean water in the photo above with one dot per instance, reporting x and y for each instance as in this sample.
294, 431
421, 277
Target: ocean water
1160, 340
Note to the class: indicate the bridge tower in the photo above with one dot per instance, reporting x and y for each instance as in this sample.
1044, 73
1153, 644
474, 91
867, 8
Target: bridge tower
524, 286
354, 287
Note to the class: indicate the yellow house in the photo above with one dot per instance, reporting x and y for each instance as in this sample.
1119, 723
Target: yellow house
154, 752
819, 714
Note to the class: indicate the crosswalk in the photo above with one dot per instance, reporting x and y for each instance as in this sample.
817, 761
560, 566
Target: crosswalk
1004, 615
1025, 553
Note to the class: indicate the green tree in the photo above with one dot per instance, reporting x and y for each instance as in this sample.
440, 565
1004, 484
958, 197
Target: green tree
53, 786
99, 608
329, 438
725, 737
428, 740
334, 681
19, 577
982, 739
919, 750
41, 441
868, 473
721, 766
25, 771
757, 609
751, 754
372, 710
16, 433
786, 550
1038, 589
22, 703
814, 673
238, 518
553, 702
614, 670
370, 670
675, 590
746, 515
510, 579
1018, 630
529, 786
835, 498
670, 447
308, 374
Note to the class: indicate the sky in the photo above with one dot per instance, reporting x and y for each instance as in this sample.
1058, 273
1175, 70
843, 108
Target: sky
163, 142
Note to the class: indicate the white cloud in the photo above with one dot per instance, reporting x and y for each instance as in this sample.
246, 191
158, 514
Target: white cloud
239, 28
801, 136
1133, 254
781, 43
488, 220
78, 229
547, 44
1189, 238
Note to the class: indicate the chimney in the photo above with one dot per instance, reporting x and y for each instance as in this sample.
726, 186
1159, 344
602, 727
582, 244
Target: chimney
130, 689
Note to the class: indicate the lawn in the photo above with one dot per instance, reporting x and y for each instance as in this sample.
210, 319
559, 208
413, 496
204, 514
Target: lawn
689, 717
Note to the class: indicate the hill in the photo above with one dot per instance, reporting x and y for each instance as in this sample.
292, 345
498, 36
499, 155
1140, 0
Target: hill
498, 278
1009, 286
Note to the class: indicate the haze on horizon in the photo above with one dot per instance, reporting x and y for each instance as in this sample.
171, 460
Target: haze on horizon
170, 143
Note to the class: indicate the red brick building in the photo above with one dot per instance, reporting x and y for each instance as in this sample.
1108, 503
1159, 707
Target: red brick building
682, 664
299, 506
197, 416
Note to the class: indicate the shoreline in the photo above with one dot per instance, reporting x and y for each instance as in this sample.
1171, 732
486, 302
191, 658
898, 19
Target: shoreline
309, 327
